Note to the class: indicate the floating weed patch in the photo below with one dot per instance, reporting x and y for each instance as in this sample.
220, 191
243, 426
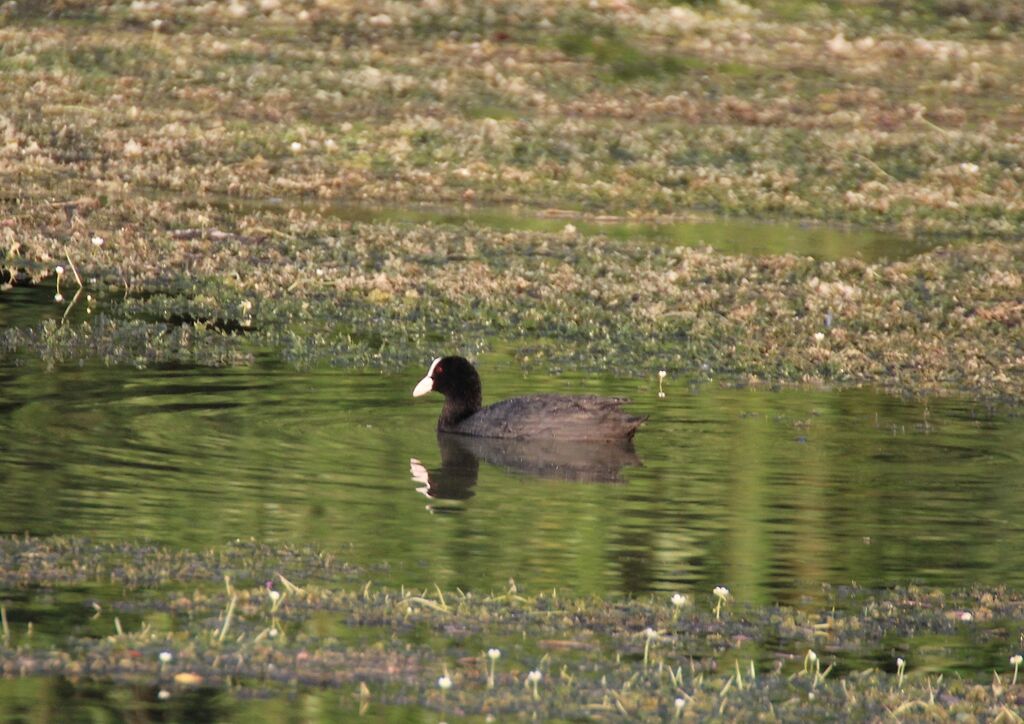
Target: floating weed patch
905, 126
210, 619
323, 290
865, 115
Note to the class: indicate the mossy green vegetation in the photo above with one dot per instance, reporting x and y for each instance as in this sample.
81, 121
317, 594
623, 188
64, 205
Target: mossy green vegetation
871, 115
318, 290
261, 621
132, 123
128, 130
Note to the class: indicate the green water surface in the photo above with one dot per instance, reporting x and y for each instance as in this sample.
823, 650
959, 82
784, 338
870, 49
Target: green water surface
770, 493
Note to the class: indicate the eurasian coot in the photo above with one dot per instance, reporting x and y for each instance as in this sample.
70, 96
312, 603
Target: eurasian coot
584, 417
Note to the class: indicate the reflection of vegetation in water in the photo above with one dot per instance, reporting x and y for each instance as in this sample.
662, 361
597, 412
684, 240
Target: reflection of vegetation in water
730, 236
761, 491
58, 698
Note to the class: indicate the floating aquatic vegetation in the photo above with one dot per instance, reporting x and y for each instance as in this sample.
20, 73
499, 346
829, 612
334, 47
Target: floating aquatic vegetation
562, 656
387, 295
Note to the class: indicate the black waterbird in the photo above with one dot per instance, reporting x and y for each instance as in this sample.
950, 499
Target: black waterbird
562, 417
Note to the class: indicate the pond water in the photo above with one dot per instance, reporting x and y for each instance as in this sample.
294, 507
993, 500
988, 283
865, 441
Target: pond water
727, 235
768, 492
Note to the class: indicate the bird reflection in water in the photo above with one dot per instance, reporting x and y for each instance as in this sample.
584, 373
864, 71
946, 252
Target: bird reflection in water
576, 461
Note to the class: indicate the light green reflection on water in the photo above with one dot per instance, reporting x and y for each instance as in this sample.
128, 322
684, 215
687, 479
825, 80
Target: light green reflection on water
730, 236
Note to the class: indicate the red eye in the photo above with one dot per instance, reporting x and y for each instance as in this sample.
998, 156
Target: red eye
438, 370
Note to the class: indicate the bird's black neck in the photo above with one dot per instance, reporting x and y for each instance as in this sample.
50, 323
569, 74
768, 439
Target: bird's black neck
458, 407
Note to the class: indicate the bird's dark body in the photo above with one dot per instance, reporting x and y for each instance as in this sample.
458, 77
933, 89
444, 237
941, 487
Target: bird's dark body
564, 417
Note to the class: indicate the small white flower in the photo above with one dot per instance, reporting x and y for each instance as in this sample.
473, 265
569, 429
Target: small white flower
650, 633
1017, 660
331, 145
721, 593
444, 682
533, 678
662, 374
494, 654
678, 600
274, 595
59, 269
272, 633
166, 657
900, 663
969, 168
97, 241
569, 230
966, 616
819, 336
680, 703
811, 656
163, 695
295, 146
58, 297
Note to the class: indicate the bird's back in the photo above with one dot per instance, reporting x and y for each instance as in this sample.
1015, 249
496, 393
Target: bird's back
563, 417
